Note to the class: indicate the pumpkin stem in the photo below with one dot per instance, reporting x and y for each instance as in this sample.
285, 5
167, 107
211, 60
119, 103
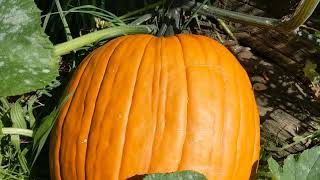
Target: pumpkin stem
171, 21
76, 43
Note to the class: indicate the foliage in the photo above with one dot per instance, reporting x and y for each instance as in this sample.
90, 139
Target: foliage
304, 167
27, 62
311, 73
18, 125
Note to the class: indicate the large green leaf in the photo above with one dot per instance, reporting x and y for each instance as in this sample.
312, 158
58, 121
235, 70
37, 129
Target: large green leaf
27, 61
306, 167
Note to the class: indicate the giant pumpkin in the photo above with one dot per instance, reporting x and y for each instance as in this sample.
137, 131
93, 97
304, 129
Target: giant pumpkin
143, 104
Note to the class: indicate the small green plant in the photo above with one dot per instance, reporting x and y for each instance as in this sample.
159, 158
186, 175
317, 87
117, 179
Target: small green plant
305, 166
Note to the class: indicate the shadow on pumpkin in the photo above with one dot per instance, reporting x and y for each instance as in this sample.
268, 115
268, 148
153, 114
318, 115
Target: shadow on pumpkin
254, 170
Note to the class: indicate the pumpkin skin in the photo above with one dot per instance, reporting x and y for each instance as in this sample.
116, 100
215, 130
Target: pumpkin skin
142, 104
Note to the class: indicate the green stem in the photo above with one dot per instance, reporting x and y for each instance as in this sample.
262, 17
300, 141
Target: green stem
151, 6
300, 16
302, 13
18, 131
74, 44
231, 15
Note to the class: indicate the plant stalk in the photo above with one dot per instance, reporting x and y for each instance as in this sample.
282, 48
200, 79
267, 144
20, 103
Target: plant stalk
301, 14
18, 131
230, 15
76, 43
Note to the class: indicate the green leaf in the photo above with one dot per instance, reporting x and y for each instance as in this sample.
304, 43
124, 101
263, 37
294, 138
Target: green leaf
44, 130
306, 167
18, 121
181, 175
23, 161
42, 134
310, 71
274, 168
17, 116
27, 61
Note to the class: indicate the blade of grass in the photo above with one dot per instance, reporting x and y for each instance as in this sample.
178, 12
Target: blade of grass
47, 16
44, 130
194, 14
64, 21
23, 161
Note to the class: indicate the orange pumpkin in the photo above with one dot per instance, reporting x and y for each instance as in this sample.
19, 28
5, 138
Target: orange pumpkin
143, 104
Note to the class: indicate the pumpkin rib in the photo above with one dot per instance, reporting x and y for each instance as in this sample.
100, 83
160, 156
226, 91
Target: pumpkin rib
100, 123
163, 84
214, 71
99, 126
156, 111
131, 102
205, 50
223, 77
230, 138
166, 152
157, 97
82, 120
256, 155
197, 132
166, 93
69, 142
186, 75
161, 113
67, 112
239, 145
256, 146
106, 56
217, 77
123, 121
74, 81
250, 121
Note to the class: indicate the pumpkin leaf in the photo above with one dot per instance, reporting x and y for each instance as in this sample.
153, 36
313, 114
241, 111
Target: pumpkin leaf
305, 167
27, 60
181, 175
